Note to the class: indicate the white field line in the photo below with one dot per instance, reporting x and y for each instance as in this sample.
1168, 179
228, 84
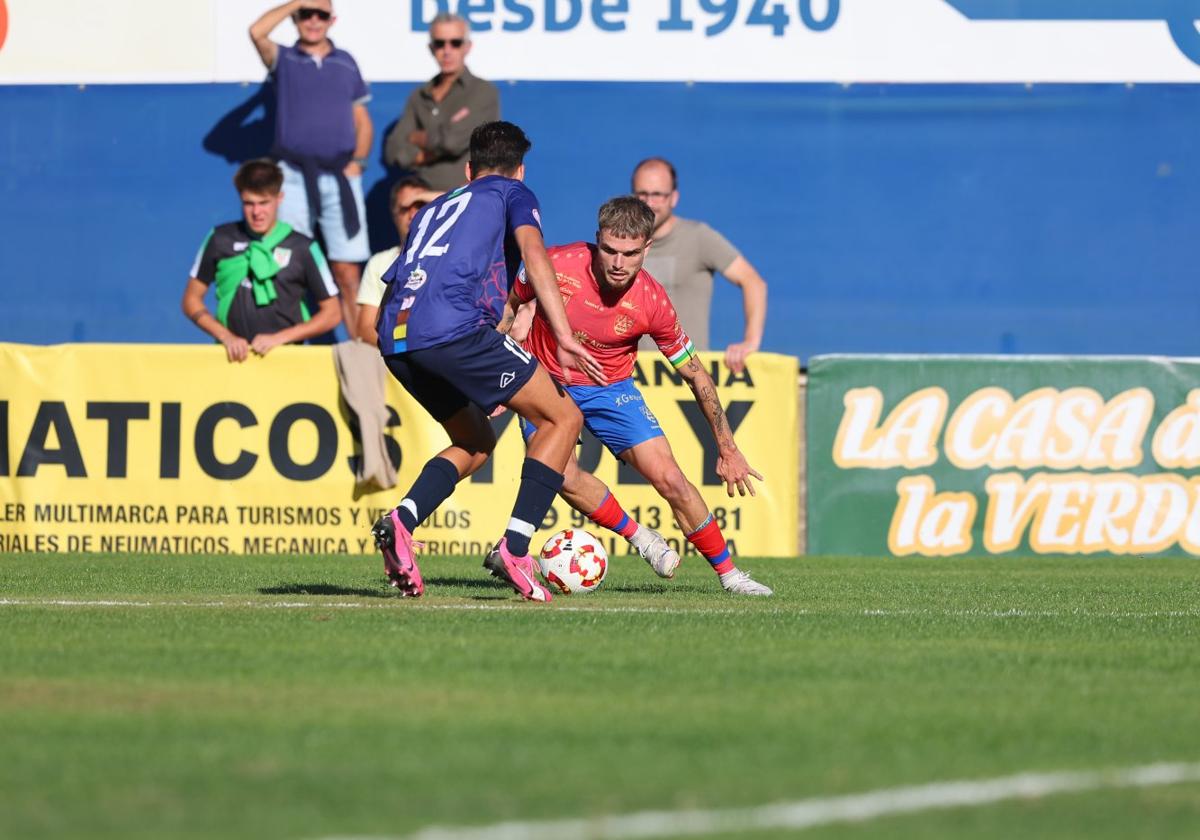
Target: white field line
391, 604
809, 813
404, 604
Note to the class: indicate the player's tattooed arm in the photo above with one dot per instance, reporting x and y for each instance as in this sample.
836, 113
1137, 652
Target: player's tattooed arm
705, 391
732, 466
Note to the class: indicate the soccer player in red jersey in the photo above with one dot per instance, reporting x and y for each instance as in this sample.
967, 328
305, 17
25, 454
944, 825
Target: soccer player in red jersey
611, 302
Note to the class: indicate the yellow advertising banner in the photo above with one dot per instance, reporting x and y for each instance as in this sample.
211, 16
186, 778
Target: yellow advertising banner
171, 449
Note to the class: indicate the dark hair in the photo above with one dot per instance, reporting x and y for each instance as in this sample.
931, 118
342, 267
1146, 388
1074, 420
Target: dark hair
627, 217
664, 162
409, 181
261, 176
498, 147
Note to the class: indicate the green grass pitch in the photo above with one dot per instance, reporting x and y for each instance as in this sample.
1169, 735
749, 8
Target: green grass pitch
250, 697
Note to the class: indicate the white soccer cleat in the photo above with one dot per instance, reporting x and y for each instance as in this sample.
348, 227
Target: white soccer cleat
738, 582
655, 550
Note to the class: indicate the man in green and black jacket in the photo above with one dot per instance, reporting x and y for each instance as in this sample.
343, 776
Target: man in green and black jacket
262, 271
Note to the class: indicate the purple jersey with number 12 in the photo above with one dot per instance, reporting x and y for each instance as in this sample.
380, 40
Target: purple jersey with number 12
460, 260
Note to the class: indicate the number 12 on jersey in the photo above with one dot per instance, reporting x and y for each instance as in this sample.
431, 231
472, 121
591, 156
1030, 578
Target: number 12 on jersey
434, 248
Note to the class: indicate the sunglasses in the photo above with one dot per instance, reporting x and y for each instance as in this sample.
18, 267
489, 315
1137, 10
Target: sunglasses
438, 43
305, 14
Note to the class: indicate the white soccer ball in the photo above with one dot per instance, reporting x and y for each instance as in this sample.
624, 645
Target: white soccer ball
573, 562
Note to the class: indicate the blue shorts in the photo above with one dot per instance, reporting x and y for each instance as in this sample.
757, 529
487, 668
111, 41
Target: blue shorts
295, 211
616, 414
484, 368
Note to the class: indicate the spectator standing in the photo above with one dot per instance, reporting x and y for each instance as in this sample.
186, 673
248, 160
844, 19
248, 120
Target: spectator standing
322, 137
684, 257
434, 132
262, 270
408, 195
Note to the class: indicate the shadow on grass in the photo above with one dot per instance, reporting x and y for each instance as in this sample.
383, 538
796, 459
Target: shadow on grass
323, 589
656, 588
481, 588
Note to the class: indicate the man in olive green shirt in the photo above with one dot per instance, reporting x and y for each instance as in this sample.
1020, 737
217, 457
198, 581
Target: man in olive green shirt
434, 132
683, 258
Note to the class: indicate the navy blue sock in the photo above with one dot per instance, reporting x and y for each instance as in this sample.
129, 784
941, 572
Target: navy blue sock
432, 487
539, 485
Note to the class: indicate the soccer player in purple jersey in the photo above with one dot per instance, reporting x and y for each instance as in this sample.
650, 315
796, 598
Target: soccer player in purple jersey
437, 333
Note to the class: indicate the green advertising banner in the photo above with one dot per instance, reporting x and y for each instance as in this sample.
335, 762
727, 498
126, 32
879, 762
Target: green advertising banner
952, 455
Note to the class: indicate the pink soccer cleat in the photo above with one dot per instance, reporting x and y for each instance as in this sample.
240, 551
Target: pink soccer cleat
395, 543
517, 572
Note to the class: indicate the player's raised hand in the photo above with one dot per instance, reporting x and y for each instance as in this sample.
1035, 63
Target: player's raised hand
735, 472
572, 354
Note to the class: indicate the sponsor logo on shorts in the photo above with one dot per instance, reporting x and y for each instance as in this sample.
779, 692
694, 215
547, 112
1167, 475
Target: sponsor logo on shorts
507, 378
649, 415
626, 399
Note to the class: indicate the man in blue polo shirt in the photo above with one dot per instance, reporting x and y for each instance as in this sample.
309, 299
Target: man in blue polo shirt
322, 138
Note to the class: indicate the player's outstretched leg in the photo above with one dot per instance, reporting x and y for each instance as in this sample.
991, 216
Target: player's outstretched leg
558, 422
710, 542
591, 497
648, 543
472, 441
654, 460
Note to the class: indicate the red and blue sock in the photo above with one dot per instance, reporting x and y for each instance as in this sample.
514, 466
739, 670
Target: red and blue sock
610, 515
710, 542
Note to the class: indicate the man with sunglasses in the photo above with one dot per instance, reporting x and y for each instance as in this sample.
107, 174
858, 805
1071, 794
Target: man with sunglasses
433, 133
408, 195
323, 136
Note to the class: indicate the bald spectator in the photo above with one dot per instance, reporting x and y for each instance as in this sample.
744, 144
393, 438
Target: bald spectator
683, 258
434, 131
322, 137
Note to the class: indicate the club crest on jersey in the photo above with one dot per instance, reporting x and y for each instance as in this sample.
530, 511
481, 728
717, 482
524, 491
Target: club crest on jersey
417, 279
622, 325
283, 256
